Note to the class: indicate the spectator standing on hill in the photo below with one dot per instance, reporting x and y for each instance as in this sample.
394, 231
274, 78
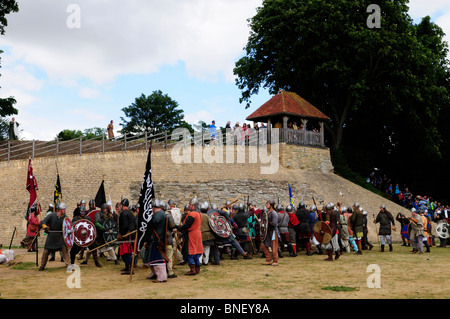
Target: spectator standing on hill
110, 130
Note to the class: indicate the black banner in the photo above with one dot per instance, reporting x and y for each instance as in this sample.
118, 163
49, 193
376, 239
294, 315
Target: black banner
145, 204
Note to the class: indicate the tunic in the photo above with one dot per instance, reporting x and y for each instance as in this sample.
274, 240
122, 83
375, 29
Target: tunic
158, 238
55, 241
357, 223
385, 219
192, 244
126, 225
344, 229
207, 234
272, 228
304, 230
241, 220
33, 225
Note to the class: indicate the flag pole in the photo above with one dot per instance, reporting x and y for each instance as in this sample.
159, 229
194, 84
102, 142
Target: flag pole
136, 238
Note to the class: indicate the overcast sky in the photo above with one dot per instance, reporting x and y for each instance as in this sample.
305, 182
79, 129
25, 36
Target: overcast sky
70, 73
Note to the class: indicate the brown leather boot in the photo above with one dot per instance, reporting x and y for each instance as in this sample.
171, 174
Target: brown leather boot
330, 255
192, 272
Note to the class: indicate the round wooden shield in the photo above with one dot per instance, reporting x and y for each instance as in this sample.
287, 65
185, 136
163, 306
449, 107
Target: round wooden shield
264, 225
68, 232
442, 230
322, 232
405, 232
220, 225
84, 232
110, 230
92, 214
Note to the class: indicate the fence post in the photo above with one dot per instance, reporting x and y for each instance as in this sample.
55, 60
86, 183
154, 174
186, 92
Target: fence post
81, 145
57, 146
33, 150
146, 142
125, 142
103, 143
9, 150
165, 139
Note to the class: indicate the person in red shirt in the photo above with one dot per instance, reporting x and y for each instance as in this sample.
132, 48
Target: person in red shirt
32, 230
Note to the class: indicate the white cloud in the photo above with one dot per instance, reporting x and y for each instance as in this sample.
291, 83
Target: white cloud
89, 93
194, 118
130, 37
421, 8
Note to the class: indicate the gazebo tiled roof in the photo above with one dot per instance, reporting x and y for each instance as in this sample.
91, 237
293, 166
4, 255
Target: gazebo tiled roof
286, 103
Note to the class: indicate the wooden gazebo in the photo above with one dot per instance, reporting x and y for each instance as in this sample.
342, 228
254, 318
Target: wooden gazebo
286, 108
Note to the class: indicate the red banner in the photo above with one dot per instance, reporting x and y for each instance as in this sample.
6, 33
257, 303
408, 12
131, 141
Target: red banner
32, 186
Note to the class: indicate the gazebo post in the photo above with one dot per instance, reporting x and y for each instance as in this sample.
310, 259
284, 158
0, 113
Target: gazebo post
322, 139
285, 126
304, 122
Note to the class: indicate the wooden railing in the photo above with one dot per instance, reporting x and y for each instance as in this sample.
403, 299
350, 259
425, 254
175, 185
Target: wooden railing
13, 150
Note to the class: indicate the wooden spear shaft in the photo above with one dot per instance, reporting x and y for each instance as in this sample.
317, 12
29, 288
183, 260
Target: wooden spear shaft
126, 235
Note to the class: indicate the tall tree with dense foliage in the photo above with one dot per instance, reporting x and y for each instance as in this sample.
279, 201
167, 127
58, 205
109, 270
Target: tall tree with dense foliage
385, 89
154, 113
324, 51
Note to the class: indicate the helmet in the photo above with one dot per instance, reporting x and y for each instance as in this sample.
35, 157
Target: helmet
301, 205
194, 201
235, 207
356, 204
159, 203
214, 206
186, 207
204, 206
279, 208
241, 207
171, 202
125, 202
383, 206
288, 208
62, 206
313, 208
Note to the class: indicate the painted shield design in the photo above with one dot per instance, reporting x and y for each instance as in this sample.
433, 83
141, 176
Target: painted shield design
405, 232
84, 233
264, 225
92, 214
111, 231
322, 232
442, 230
68, 232
219, 225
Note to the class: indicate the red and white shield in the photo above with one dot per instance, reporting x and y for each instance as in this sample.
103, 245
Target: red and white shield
84, 232
68, 232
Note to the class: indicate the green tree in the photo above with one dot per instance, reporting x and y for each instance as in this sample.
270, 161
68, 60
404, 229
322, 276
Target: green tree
6, 7
88, 134
360, 77
154, 113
